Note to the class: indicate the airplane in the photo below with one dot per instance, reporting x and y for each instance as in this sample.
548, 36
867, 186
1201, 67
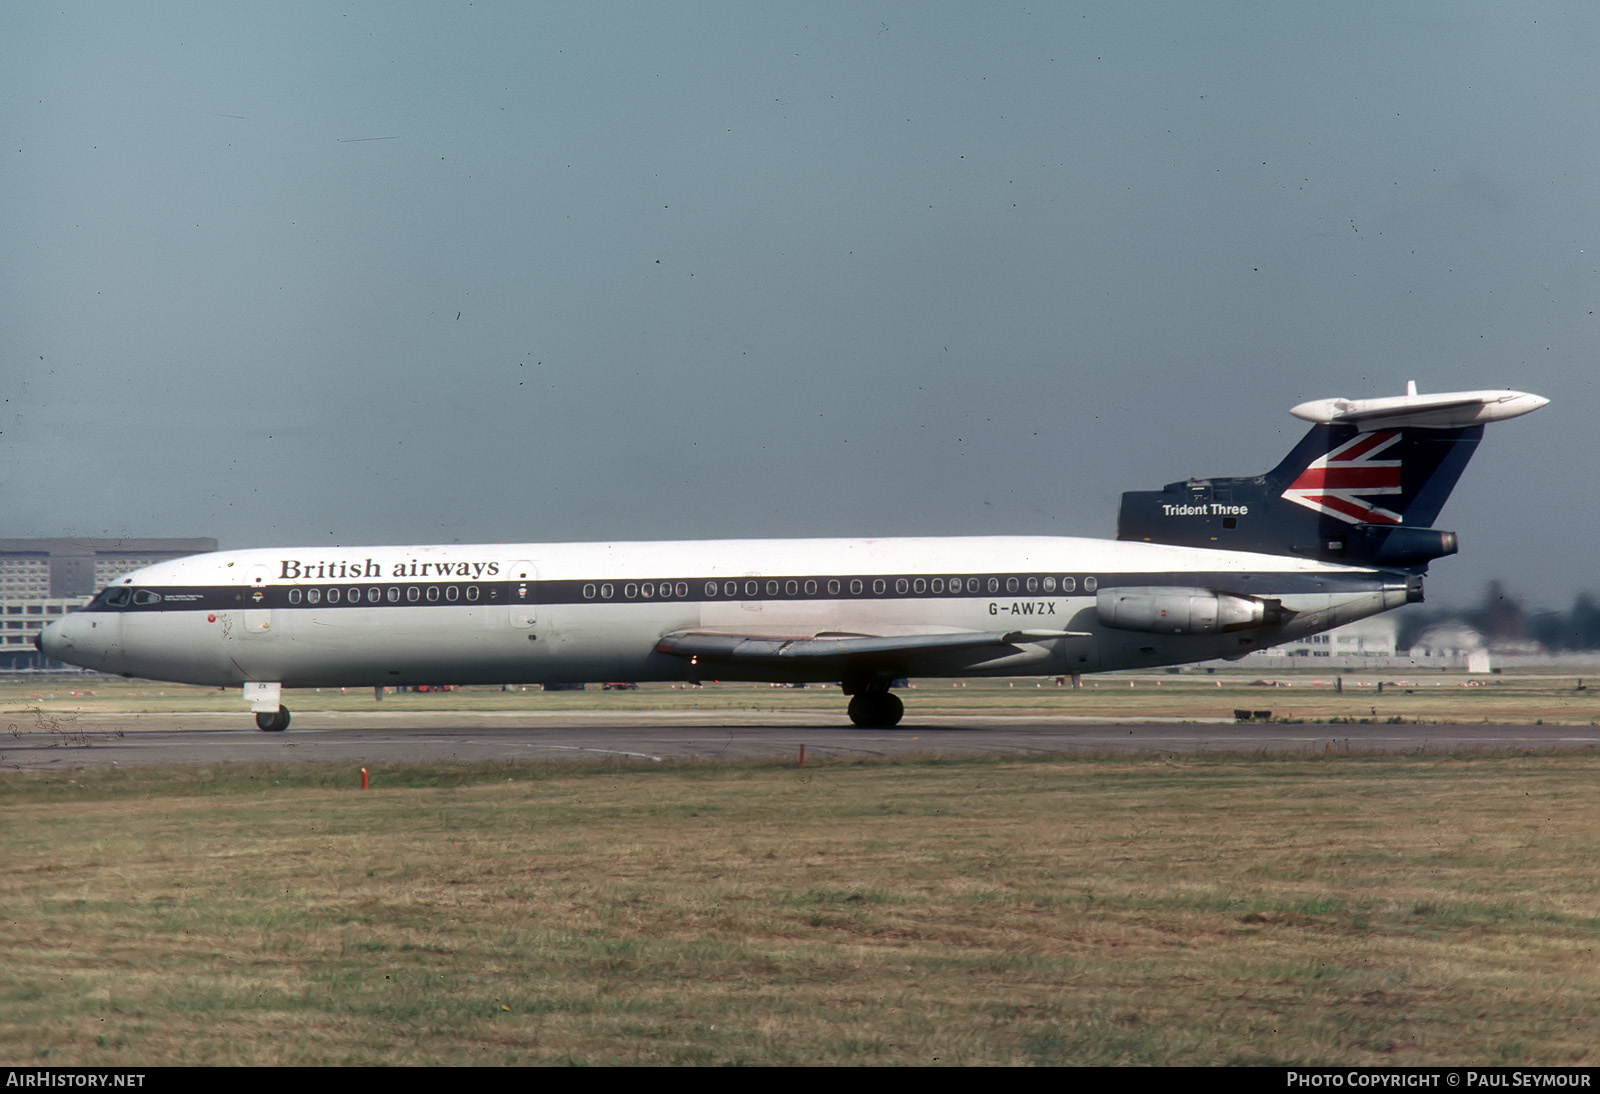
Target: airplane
1202, 569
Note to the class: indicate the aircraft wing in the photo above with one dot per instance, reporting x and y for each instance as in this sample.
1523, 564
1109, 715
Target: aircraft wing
753, 649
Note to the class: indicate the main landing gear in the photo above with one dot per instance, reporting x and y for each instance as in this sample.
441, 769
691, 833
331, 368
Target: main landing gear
273, 721
876, 709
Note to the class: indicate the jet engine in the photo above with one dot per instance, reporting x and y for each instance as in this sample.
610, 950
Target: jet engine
1169, 610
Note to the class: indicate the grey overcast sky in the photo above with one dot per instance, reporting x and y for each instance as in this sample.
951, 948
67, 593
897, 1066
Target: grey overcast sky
305, 273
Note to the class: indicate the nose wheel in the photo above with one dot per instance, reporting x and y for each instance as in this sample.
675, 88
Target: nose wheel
273, 721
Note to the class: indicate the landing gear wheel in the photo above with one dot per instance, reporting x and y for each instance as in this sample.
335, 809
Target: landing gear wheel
273, 721
876, 710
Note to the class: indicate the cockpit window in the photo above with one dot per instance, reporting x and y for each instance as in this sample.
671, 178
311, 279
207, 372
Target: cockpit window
145, 596
116, 598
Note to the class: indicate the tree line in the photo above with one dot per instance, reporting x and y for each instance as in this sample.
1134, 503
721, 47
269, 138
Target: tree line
1503, 619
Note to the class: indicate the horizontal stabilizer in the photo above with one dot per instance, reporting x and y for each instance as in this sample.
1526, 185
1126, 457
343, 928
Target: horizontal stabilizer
1447, 410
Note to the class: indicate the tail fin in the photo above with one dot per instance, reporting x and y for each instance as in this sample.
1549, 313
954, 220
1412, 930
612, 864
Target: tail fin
1362, 487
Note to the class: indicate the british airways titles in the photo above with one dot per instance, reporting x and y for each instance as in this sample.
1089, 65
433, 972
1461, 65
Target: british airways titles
292, 569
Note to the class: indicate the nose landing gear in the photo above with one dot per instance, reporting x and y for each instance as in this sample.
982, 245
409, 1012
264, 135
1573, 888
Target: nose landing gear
271, 715
273, 721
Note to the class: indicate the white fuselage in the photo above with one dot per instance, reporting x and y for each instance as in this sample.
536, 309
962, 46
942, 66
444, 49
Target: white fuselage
581, 612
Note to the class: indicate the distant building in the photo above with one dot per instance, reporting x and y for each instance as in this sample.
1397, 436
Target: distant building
1451, 640
44, 579
1372, 637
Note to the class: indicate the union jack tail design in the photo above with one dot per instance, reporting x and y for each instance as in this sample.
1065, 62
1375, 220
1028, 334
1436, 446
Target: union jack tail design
1342, 494
1341, 483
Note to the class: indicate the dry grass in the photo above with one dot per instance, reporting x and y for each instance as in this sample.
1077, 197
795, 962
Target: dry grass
1302, 696
1172, 911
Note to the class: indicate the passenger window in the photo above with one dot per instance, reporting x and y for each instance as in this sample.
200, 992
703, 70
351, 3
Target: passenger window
313, 596
333, 596
294, 596
1090, 584
711, 588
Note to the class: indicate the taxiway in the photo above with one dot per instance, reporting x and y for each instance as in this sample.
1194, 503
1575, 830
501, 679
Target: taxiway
65, 742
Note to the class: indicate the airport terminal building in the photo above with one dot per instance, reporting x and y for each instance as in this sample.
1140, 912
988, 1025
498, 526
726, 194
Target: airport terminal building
43, 579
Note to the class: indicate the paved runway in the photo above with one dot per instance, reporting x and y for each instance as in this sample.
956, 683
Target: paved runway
106, 740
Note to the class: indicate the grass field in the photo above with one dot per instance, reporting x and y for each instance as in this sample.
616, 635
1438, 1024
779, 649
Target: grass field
1302, 696
1339, 909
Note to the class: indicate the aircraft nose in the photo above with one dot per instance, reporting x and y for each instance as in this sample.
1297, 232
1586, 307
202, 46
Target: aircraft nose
52, 641
92, 640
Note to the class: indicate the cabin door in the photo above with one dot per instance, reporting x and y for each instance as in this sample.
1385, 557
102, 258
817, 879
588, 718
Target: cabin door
257, 607
522, 597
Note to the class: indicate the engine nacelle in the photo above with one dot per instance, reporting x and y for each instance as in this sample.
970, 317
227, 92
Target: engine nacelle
1398, 545
1166, 610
